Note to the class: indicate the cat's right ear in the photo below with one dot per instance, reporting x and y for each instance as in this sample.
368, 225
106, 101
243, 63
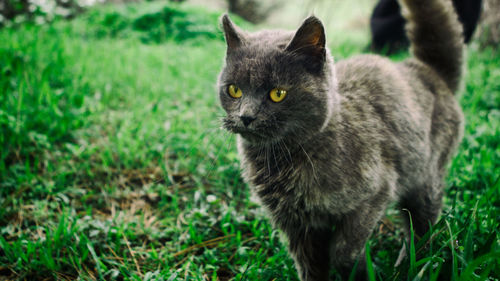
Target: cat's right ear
234, 36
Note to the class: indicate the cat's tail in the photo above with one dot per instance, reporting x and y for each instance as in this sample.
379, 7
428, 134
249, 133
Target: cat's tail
436, 37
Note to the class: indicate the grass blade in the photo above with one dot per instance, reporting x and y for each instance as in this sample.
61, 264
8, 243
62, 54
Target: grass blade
97, 261
369, 265
453, 254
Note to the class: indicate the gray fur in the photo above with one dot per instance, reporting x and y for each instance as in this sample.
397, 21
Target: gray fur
349, 137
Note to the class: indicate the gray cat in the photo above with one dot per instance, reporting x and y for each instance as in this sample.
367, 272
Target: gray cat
326, 147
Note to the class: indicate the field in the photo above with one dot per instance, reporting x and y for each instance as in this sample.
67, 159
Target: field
113, 164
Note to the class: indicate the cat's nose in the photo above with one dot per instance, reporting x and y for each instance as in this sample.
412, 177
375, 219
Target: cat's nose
247, 120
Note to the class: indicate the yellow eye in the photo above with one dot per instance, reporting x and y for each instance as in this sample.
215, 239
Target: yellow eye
234, 91
277, 94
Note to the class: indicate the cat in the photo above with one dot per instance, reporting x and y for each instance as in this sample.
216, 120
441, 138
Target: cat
327, 146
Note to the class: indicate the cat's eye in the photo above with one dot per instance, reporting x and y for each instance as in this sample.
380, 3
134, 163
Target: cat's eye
277, 94
234, 91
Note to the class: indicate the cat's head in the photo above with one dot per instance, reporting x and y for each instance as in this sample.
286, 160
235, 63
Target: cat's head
276, 84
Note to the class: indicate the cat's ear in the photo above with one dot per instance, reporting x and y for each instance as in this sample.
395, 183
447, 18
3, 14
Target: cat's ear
309, 39
234, 36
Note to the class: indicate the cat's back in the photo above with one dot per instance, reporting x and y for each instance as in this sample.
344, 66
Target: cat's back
374, 75
408, 89
363, 68
366, 76
375, 90
404, 107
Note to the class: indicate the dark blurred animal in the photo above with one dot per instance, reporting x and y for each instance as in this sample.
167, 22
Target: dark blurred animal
387, 24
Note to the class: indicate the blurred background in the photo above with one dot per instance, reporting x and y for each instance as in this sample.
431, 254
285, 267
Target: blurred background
277, 13
114, 166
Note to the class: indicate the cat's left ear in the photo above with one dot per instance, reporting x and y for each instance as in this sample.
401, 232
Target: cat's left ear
309, 39
234, 36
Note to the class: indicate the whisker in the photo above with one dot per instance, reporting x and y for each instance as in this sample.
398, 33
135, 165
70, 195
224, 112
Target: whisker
283, 146
276, 164
268, 164
311, 162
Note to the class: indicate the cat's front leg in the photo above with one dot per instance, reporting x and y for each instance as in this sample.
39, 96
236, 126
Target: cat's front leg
350, 236
310, 250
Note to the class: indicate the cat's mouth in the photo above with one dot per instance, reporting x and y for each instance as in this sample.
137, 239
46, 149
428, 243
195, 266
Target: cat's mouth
249, 135
254, 135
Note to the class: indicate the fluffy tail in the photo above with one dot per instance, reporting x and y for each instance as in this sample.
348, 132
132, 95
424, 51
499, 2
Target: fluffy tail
436, 37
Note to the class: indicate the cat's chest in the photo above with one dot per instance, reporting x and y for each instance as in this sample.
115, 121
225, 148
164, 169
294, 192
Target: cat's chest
290, 190
309, 181
283, 178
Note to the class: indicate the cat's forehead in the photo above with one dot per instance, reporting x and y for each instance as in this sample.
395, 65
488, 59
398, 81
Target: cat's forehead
261, 60
253, 69
262, 46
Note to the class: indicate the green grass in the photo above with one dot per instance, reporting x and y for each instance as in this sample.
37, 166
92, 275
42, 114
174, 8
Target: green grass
113, 164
